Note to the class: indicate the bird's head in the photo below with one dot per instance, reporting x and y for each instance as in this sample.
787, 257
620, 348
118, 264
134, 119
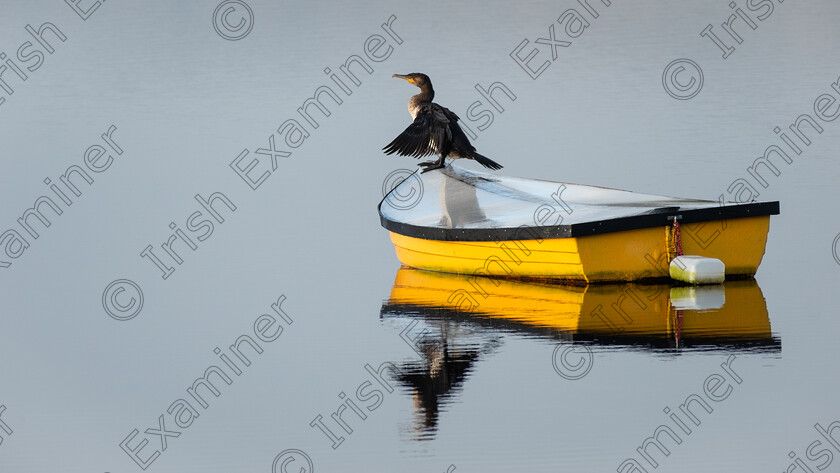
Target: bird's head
415, 78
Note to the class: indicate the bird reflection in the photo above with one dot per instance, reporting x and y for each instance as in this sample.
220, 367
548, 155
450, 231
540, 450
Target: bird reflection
432, 382
447, 356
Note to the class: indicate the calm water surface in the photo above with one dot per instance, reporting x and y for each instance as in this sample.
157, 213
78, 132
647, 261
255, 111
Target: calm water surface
530, 380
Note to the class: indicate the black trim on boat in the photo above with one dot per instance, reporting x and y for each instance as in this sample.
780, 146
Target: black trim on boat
656, 218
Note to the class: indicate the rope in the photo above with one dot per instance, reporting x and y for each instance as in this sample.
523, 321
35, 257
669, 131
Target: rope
677, 238
675, 319
678, 315
673, 240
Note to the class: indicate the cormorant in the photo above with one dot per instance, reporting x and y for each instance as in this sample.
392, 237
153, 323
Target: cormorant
435, 130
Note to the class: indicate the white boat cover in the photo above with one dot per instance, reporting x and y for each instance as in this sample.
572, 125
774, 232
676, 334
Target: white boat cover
456, 204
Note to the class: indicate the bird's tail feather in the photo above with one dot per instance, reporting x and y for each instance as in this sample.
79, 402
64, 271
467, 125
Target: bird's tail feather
485, 161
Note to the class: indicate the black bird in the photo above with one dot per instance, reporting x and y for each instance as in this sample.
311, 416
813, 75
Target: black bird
435, 130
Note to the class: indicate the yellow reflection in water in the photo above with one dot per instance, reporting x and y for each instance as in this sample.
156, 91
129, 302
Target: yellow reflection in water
735, 309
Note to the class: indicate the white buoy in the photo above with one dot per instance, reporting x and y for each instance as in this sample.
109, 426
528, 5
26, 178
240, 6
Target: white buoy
710, 297
697, 269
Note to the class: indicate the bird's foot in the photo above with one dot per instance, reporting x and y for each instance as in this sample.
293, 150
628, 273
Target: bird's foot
430, 165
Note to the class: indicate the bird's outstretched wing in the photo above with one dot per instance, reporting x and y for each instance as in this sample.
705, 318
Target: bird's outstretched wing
429, 134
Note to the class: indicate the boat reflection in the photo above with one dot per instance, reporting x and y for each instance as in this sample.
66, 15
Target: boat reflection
464, 319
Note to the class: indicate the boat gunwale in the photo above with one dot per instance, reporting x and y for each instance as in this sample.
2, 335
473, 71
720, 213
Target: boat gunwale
582, 229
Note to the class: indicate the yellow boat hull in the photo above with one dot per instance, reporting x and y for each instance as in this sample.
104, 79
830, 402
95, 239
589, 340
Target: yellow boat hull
629, 255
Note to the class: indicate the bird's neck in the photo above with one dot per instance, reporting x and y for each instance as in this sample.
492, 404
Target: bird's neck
427, 94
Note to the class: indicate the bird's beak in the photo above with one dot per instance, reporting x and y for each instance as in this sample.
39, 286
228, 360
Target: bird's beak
405, 78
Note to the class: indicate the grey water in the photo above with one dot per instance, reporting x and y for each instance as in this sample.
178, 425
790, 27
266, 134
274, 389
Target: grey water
205, 285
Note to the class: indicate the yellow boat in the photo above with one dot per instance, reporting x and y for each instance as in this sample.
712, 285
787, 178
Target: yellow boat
732, 315
458, 221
